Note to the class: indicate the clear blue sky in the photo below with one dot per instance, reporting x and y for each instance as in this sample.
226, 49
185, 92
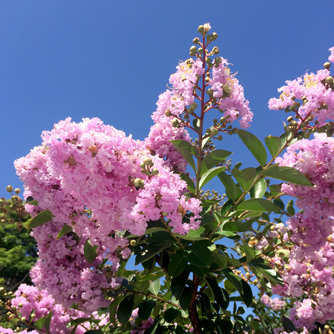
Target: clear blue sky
111, 59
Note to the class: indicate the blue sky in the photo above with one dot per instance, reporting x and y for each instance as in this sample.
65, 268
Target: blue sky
112, 59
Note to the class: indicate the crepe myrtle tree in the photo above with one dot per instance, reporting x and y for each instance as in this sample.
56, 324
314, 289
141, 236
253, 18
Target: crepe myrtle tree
99, 198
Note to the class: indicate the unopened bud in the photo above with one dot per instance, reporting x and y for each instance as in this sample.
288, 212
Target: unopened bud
200, 51
9, 188
193, 106
148, 162
155, 171
17, 190
175, 123
215, 50
214, 132
168, 113
209, 92
327, 65
193, 51
196, 40
214, 36
200, 29
220, 137
137, 182
289, 119
329, 80
133, 242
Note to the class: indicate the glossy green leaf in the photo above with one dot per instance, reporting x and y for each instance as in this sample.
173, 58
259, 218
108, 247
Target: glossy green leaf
171, 314
178, 284
39, 324
289, 208
254, 145
125, 309
177, 264
245, 177
155, 244
274, 145
90, 251
259, 189
221, 295
40, 219
288, 325
145, 309
48, 321
189, 181
185, 298
232, 191
287, 174
186, 150
64, 230
258, 204
200, 255
209, 175
93, 331
155, 286
213, 158
113, 309
242, 287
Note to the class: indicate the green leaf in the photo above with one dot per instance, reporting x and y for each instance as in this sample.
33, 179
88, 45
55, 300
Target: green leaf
258, 204
245, 177
125, 309
64, 230
274, 145
288, 324
145, 309
242, 287
209, 175
93, 331
155, 286
186, 150
221, 295
259, 189
289, 208
48, 321
254, 145
185, 298
178, 284
113, 309
200, 255
171, 314
39, 324
287, 174
155, 244
250, 252
30, 200
90, 252
213, 158
177, 264
190, 182
271, 274
232, 191
40, 219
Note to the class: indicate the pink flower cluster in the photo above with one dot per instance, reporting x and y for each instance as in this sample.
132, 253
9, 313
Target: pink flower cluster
85, 175
314, 93
28, 299
308, 273
274, 303
230, 95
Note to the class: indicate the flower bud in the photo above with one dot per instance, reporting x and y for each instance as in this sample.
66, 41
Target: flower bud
200, 51
142, 165
17, 190
215, 50
193, 106
214, 131
168, 113
214, 36
137, 182
200, 29
196, 40
175, 123
155, 171
148, 162
133, 242
9, 188
209, 92
289, 119
220, 137
192, 51
327, 65
206, 27
329, 80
